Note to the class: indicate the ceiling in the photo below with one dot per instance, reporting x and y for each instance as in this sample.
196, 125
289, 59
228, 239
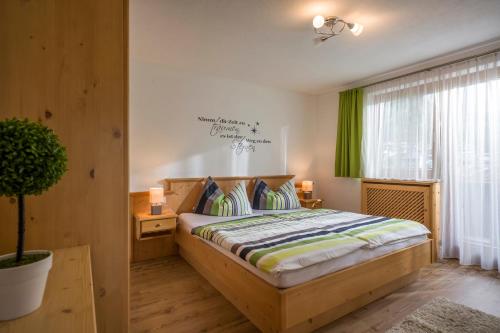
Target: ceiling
270, 42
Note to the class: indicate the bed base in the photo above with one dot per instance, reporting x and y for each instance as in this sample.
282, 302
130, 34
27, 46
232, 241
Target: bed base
310, 305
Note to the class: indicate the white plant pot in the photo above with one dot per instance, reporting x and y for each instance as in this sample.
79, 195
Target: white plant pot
22, 287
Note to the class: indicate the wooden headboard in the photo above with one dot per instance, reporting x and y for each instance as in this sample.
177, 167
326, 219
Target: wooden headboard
182, 193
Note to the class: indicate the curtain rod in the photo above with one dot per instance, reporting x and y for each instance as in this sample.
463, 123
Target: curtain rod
433, 67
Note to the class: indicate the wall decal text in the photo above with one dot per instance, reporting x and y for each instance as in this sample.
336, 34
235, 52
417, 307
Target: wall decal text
241, 136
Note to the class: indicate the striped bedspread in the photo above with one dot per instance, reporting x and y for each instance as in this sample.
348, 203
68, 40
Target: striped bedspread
277, 243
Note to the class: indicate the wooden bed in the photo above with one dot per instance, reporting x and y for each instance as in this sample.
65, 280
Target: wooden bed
301, 308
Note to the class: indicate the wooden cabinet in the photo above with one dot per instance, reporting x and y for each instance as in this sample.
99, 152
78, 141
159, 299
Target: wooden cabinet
154, 235
148, 226
311, 203
411, 200
154, 226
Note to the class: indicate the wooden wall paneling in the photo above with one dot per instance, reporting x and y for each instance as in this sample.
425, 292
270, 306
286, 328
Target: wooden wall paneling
64, 63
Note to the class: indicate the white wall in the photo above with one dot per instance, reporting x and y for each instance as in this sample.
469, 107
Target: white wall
338, 193
168, 140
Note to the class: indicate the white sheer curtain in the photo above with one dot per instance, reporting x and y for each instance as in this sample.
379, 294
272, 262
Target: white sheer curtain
444, 123
469, 103
399, 126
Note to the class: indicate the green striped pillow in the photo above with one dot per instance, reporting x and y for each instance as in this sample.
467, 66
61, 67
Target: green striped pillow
284, 198
213, 201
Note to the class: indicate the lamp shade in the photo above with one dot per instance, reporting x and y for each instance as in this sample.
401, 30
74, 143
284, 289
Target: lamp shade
356, 29
156, 195
318, 21
307, 186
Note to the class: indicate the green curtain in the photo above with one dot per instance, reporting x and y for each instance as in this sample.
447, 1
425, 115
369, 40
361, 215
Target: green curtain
349, 130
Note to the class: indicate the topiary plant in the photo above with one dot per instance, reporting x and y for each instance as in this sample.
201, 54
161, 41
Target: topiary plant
32, 159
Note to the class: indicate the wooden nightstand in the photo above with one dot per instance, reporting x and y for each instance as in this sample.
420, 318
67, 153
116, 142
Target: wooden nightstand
149, 226
311, 203
154, 235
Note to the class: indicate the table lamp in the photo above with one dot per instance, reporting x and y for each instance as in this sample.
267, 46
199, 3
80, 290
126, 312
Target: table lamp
156, 199
307, 188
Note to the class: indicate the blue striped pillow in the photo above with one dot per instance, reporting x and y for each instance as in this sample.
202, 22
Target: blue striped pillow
213, 201
284, 198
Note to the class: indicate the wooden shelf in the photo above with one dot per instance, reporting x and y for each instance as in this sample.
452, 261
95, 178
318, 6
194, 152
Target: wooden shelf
68, 303
166, 214
156, 234
398, 181
149, 226
153, 235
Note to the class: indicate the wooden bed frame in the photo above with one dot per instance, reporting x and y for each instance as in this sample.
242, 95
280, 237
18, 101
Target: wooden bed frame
302, 308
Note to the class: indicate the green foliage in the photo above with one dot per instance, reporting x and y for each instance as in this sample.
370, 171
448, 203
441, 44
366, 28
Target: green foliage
32, 158
26, 260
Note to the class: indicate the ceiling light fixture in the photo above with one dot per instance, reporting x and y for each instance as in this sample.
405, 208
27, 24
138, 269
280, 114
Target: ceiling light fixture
332, 26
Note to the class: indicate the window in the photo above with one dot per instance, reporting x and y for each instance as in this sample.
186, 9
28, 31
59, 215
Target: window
444, 124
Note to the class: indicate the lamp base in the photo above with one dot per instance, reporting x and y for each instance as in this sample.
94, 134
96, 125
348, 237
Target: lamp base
155, 210
308, 195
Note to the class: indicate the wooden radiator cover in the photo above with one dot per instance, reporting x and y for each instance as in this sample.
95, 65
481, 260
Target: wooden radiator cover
411, 200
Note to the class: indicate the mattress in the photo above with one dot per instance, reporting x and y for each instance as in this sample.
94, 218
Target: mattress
286, 279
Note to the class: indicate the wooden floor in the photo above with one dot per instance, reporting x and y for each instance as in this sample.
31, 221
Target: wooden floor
167, 295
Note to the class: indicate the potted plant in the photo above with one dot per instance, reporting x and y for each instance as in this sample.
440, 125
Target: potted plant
32, 159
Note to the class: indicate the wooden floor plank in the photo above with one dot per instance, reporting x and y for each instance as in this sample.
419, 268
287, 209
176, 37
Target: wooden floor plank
168, 295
